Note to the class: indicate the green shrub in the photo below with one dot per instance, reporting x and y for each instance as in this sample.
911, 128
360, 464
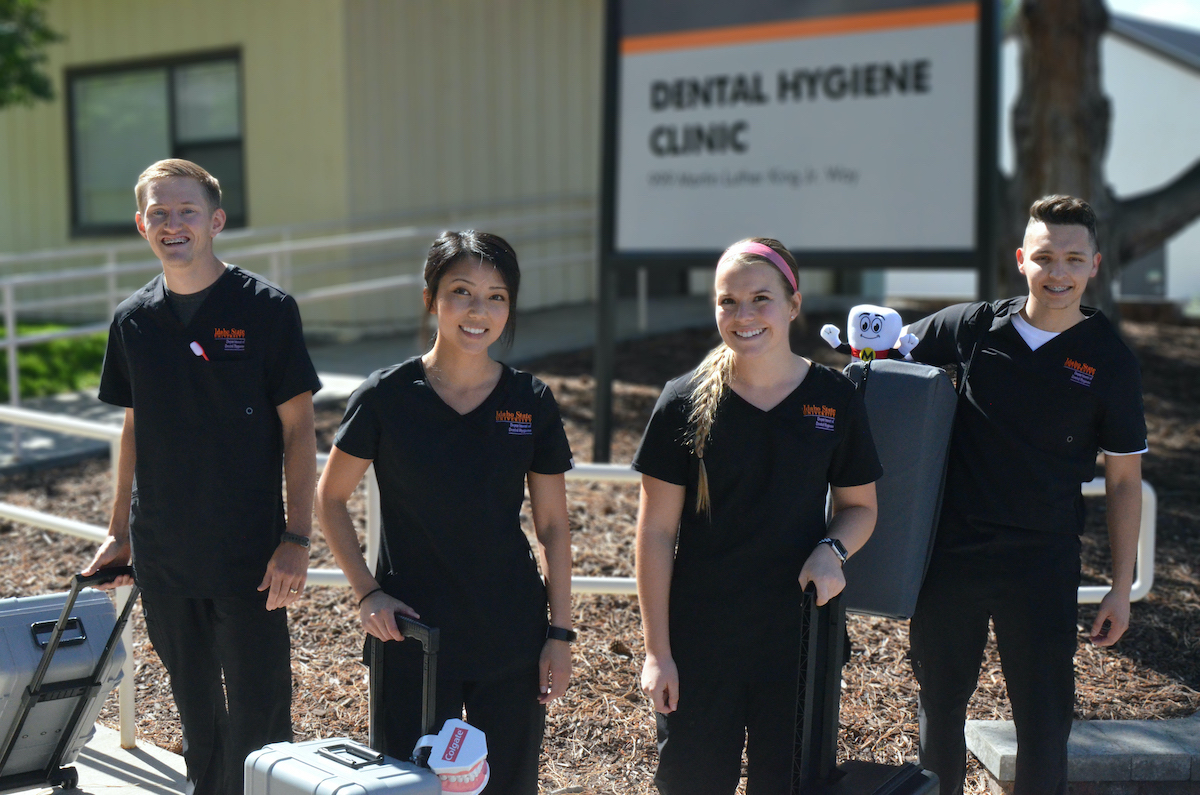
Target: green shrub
48, 368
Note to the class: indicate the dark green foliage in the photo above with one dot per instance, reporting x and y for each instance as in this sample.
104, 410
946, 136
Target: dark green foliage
23, 39
56, 366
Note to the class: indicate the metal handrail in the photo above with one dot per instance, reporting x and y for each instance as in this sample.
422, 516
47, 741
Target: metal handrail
276, 253
134, 243
292, 246
613, 473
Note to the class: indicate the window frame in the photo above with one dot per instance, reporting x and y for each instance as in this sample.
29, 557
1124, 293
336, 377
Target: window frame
169, 63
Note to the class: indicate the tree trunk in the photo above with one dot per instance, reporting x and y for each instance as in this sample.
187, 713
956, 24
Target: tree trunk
1060, 123
1060, 127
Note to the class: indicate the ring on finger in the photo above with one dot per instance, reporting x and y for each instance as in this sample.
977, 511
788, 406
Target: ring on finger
292, 590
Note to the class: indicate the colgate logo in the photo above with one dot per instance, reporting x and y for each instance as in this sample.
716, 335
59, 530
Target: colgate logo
455, 745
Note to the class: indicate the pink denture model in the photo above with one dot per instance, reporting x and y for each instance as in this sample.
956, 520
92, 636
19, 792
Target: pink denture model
458, 755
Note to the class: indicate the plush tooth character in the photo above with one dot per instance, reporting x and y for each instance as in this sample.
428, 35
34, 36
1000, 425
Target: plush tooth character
873, 332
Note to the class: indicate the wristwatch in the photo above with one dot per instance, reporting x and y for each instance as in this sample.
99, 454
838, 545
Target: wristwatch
296, 538
558, 633
837, 548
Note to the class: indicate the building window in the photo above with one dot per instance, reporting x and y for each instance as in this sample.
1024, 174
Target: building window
123, 119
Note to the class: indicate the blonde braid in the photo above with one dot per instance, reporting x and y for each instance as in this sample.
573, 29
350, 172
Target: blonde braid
712, 378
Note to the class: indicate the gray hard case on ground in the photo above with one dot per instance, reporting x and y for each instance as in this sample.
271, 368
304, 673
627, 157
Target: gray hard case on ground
911, 410
334, 767
340, 766
60, 657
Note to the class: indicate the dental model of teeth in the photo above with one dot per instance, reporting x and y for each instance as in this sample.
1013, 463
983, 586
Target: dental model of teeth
458, 756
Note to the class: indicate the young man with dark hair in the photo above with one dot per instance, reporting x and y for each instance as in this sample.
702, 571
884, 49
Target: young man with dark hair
1046, 384
210, 363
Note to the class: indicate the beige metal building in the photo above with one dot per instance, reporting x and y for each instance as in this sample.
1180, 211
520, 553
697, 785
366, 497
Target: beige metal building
319, 117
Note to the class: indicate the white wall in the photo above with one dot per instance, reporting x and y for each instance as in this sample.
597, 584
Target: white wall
1155, 136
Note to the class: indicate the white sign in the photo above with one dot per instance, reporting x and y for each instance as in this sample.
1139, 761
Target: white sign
851, 133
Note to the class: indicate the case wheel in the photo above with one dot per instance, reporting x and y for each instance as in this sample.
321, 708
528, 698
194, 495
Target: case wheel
67, 778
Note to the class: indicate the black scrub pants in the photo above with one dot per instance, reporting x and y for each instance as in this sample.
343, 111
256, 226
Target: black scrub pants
1026, 582
505, 709
199, 640
700, 743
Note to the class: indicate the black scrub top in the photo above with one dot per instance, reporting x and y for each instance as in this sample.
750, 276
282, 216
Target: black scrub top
207, 510
1030, 422
735, 578
451, 487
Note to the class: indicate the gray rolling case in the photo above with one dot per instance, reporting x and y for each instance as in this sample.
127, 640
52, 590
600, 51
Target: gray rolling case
911, 410
60, 656
334, 767
340, 766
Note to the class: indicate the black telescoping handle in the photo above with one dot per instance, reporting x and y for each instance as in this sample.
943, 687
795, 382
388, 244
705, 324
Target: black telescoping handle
411, 628
102, 576
430, 640
818, 691
78, 583
110, 647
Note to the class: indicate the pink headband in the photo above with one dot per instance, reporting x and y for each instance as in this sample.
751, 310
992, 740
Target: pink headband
767, 253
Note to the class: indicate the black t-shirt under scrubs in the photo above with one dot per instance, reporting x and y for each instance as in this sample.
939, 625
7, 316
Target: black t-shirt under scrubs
207, 510
735, 578
1030, 422
451, 487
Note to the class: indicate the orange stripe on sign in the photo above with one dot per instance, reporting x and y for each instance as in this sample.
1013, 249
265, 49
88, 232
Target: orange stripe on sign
802, 28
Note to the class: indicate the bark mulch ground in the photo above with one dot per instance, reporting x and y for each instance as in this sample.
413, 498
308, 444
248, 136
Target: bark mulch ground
600, 738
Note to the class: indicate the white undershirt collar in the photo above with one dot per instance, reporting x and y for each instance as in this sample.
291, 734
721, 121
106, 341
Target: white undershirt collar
1034, 337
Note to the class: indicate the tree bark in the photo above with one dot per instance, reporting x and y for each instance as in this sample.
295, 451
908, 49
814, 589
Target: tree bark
1060, 125
1061, 119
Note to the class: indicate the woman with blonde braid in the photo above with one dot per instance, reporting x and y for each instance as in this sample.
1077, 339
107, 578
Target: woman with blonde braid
736, 462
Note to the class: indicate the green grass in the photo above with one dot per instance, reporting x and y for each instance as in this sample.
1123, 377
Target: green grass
48, 368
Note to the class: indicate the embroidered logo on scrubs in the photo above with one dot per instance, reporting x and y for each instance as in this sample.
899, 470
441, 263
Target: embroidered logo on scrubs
519, 423
234, 338
1081, 373
823, 414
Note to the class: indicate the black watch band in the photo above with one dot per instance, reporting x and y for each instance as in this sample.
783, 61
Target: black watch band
296, 538
837, 547
558, 633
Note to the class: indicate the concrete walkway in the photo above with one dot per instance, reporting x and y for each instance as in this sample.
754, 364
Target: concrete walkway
105, 768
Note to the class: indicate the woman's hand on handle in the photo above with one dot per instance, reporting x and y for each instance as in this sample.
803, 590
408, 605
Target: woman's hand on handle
824, 570
378, 614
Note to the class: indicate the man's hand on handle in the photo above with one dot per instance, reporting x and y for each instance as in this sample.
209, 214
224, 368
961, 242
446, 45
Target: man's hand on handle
113, 552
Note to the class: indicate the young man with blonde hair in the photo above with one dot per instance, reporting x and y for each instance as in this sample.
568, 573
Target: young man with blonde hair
1046, 384
210, 364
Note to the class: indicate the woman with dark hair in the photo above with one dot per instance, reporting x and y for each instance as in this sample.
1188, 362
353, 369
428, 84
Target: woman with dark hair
736, 462
454, 437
